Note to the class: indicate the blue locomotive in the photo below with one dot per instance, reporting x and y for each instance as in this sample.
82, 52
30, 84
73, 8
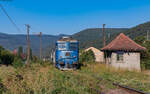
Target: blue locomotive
67, 53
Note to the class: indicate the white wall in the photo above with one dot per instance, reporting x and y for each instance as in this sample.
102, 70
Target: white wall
131, 61
99, 55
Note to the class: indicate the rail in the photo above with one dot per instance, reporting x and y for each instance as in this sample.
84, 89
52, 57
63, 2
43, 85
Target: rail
127, 88
130, 89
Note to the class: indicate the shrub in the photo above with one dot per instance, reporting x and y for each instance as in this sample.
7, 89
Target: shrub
87, 56
145, 55
145, 64
35, 59
20, 51
17, 62
7, 58
44, 63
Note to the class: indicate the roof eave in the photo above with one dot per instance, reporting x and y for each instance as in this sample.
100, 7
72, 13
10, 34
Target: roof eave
127, 50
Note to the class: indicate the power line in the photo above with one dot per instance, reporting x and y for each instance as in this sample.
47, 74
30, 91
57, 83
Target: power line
40, 35
10, 19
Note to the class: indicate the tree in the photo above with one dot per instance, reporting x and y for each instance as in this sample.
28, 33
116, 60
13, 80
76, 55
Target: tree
30, 54
20, 50
145, 55
87, 56
7, 57
1, 48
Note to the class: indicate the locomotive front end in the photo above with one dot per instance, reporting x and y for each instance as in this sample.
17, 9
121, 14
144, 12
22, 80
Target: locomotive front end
67, 53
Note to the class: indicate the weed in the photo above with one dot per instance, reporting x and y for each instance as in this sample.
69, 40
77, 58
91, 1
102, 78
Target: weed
45, 79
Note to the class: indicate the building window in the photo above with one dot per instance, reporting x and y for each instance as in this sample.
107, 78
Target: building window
119, 56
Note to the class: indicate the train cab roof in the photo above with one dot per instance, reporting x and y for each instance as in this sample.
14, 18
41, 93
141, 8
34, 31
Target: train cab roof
66, 38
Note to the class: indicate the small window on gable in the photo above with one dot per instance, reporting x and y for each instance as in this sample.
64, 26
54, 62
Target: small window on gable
119, 56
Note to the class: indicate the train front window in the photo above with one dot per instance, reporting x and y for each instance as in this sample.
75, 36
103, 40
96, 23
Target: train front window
62, 46
73, 46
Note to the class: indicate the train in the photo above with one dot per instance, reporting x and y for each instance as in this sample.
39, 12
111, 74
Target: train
67, 53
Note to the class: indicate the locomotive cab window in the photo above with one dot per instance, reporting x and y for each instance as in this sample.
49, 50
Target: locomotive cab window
61, 46
73, 46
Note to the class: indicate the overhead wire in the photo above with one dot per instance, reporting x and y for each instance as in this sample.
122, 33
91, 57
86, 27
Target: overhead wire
10, 19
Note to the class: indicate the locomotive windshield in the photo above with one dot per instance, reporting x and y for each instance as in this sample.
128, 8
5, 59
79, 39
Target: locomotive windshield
62, 46
67, 53
73, 46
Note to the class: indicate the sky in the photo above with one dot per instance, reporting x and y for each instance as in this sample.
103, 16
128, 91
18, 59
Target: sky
71, 16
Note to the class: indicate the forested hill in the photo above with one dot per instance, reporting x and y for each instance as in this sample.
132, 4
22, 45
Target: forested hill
88, 37
11, 42
139, 30
94, 36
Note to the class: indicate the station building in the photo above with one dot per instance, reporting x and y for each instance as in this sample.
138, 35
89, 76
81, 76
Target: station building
123, 53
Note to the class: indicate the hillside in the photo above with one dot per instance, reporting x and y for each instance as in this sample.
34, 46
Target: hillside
14, 41
93, 36
88, 37
139, 30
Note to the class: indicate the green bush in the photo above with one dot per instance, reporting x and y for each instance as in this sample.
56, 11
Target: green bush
145, 64
17, 63
87, 56
6, 57
44, 63
35, 59
145, 55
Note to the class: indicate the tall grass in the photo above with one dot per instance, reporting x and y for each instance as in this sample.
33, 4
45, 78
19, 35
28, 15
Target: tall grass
39, 79
134, 79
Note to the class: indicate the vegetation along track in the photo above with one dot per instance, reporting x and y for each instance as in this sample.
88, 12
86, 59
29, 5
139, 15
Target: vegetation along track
129, 90
122, 87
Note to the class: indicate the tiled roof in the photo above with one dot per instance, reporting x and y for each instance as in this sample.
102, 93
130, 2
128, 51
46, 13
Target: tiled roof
123, 43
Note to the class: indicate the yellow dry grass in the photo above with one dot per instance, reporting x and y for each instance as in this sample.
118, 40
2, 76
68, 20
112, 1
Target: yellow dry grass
47, 79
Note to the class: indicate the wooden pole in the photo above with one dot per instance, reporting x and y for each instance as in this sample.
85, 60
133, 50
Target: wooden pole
147, 34
40, 45
104, 40
28, 45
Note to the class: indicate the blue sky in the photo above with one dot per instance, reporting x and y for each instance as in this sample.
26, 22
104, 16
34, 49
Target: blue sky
71, 16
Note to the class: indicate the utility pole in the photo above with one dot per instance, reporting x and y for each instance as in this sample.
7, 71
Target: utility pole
108, 35
147, 34
104, 40
40, 45
28, 45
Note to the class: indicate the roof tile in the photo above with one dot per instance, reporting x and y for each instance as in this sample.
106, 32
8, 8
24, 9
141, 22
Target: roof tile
123, 43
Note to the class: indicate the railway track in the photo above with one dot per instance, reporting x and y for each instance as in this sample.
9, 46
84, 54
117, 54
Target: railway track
121, 87
129, 89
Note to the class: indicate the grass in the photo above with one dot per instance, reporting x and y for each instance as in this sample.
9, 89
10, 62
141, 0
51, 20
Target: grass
47, 79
